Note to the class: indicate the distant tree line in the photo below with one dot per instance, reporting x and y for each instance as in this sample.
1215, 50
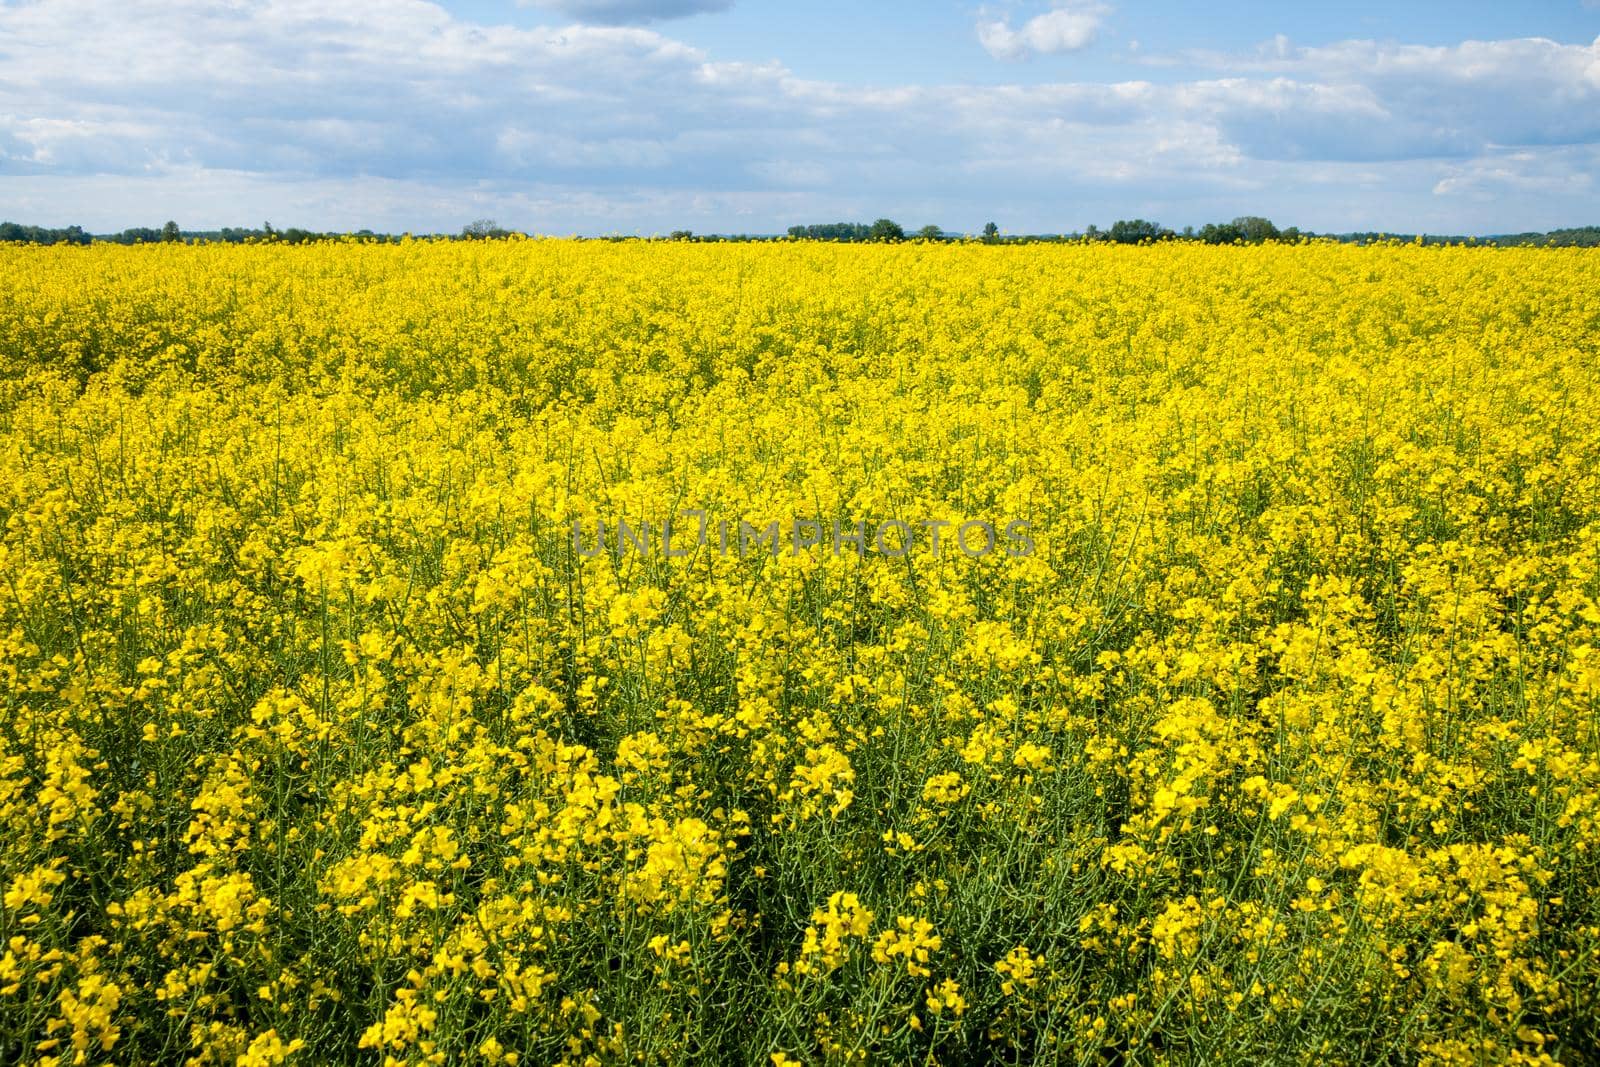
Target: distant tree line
831, 231
40, 235
1246, 229
1572, 237
294, 235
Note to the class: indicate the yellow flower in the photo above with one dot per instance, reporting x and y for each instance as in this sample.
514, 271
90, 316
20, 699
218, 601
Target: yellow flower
912, 941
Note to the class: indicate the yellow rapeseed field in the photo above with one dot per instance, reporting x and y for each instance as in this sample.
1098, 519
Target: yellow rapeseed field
343, 722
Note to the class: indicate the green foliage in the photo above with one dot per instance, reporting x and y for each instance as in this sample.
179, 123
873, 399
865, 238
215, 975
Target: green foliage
832, 231
1255, 229
1132, 231
1244, 229
39, 235
886, 230
484, 229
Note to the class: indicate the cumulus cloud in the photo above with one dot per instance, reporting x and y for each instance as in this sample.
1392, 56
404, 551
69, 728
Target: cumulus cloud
1067, 28
395, 114
1371, 100
1562, 173
620, 12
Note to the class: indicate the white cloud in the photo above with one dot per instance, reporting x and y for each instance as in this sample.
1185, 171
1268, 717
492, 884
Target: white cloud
1069, 28
1368, 100
619, 12
1564, 173
394, 114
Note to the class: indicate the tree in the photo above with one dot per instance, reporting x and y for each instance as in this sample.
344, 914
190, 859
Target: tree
1132, 231
832, 231
40, 235
931, 233
991, 232
483, 228
681, 235
1255, 229
1573, 237
1224, 234
170, 232
886, 230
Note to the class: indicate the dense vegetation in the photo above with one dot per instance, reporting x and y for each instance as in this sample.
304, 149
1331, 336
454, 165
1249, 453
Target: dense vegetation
1249, 229
321, 741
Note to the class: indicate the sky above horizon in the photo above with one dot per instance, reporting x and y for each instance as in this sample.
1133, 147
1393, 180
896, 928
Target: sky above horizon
749, 116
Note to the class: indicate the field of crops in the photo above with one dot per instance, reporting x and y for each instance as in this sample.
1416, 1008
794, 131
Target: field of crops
1271, 734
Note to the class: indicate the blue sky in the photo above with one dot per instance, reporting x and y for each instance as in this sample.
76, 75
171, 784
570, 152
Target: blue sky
642, 116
